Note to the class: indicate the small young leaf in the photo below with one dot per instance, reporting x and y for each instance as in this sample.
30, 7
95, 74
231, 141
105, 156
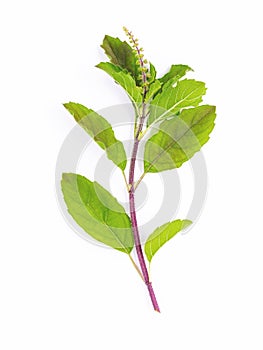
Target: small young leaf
124, 79
121, 54
153, 89
152, 73
97, 212
100, 130
186, 93
163, 234
176, 71
178, 139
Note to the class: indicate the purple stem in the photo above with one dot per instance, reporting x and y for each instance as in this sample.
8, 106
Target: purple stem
134, 219
131, 182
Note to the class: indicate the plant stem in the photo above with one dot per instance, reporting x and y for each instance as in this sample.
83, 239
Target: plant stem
138, 130
134, 218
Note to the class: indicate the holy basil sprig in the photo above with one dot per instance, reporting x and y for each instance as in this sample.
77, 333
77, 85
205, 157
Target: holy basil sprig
169, 106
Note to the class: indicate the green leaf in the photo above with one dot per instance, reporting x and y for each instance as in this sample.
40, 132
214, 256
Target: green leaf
100, 130
153, 89
163, 234
176, 71
97, 212
178, 139
152, 73
186, 93
121, 54
124, 79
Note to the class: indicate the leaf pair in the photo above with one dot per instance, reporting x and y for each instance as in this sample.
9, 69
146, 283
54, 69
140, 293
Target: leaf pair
121, 54
104, 219
123, 68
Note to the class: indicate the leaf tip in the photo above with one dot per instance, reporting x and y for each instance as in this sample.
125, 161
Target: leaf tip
67, 105
98, 65
66, 177
186, 223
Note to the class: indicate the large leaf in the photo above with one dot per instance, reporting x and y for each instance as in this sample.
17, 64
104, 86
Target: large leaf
178, 139
176, 71
121, 54
163, 234
124, 79
97, 212
100, 130
186, 93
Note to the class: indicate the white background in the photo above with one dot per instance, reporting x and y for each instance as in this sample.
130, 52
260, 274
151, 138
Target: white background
60, 292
